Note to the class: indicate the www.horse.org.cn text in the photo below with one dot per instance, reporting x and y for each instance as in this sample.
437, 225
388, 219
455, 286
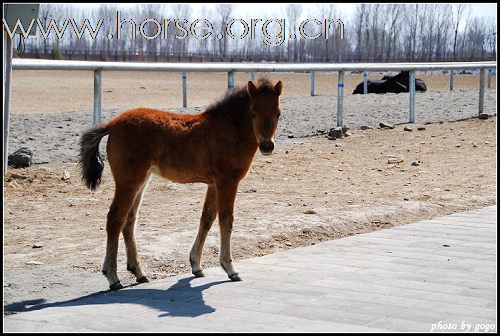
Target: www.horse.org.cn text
272, 32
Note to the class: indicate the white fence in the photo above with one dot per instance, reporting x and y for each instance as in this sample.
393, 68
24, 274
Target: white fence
231, 68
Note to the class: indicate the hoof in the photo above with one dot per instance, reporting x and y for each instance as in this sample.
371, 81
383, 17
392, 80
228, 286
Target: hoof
142, 279
116, 286
199, 274
234, 277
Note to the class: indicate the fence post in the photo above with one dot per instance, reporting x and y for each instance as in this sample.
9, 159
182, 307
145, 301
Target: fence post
230, 80
365, 82
252, 76
184, 89
452, 80
412, 96
340, 100
313, 75
490, 73
7, 53
481, 91
97, 95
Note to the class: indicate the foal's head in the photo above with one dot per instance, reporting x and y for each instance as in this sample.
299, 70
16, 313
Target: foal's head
265, 112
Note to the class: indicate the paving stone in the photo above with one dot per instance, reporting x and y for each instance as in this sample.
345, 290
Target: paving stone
15, 325
406, 278
380, 288
395, 324
330, 313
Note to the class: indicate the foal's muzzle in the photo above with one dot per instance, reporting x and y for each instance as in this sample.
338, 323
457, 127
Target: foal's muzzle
266, 147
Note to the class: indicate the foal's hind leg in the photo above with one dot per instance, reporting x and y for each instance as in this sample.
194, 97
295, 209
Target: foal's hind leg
125, 196
133, 263
207, 218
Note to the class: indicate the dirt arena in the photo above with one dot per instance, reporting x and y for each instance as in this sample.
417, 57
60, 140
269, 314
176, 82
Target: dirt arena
66, 91
311, 189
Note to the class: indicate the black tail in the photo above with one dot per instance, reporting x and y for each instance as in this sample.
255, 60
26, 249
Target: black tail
91, 163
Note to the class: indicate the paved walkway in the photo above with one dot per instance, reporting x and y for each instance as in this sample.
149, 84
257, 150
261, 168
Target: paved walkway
435, 275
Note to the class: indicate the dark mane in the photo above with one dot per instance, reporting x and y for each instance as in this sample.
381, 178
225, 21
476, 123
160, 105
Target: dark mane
238, 98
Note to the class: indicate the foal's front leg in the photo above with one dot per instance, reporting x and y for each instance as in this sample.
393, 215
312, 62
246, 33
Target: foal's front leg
207, 219
226, 194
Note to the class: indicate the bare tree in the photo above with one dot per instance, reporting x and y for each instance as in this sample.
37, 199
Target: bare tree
421, 19
204, 43
412, 25
293, 14
107, 13
457, 13
329, 12
366, 24
393, 16
430, 17
361, 12
375, 11
464, 34
443, 28
490, 35
44, 15
223, 13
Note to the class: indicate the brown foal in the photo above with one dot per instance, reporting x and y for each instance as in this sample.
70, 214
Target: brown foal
215, 147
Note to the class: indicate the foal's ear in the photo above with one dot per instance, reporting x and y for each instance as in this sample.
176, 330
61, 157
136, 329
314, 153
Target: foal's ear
252, 90
278, 88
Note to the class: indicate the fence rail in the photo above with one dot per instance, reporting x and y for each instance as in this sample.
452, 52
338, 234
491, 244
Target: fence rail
169, 55
230, 68
36, 64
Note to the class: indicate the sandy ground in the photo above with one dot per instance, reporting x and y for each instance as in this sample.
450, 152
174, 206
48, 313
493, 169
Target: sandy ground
54, 136
68, 91
311, 189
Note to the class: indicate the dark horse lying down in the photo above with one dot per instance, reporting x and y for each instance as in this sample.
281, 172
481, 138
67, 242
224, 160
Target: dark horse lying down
395, 84
404, 78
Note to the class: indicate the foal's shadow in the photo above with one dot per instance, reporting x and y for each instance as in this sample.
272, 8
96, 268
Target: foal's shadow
180, 299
